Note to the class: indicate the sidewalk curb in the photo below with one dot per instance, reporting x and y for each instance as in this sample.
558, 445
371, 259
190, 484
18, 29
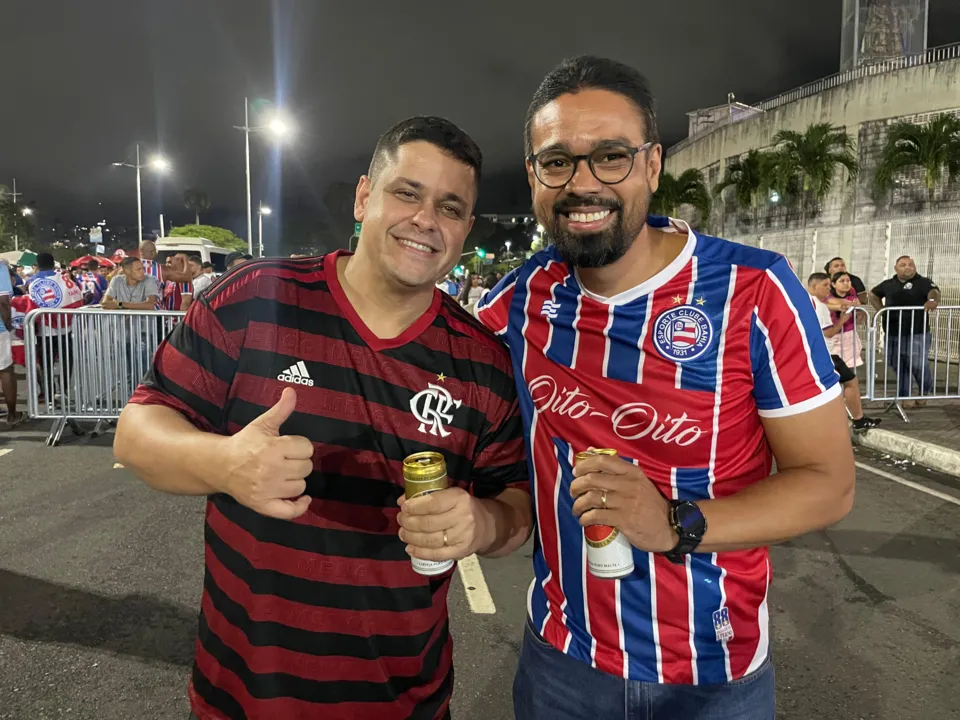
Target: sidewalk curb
937, 457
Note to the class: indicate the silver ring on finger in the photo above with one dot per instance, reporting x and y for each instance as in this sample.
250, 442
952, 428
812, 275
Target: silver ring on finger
603, 499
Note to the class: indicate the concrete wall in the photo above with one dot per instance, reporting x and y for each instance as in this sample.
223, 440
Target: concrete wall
926, 88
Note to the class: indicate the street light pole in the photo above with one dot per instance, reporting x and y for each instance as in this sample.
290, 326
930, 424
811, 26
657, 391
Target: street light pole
16, 228
261, 211
246, 132
139, 202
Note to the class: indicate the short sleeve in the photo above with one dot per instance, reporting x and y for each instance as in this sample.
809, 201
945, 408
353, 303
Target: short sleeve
792, 368
193, 369
153, 288
6, 287
880, 290
931, 285
112, 287
493, 309
499, 460
186, 288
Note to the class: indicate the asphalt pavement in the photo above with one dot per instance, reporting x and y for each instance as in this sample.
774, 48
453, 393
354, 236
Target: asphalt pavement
100, 580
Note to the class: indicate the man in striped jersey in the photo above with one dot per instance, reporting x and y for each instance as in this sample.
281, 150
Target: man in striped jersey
167, 275
303, 384
698, 360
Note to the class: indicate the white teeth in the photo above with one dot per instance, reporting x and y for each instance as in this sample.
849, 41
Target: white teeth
416, 246
589, 217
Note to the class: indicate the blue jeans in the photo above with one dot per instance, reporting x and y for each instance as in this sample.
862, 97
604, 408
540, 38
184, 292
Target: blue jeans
908, 354
553, 686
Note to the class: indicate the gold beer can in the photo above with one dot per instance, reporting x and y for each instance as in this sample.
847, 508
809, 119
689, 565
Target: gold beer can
609, 553
424, 473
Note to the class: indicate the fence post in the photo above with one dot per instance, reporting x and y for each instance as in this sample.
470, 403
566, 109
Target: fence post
871, 354
760, 244
887, 234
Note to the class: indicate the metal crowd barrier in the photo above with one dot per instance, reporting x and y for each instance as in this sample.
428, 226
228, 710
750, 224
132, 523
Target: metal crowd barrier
915, 355
84, 364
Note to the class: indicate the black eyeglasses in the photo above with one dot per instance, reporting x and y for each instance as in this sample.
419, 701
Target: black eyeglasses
610, 164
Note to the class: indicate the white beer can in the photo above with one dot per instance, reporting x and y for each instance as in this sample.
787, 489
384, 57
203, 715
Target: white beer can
609, 553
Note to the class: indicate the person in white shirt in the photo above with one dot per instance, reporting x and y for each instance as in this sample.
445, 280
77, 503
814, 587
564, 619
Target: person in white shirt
818, 285
201, 280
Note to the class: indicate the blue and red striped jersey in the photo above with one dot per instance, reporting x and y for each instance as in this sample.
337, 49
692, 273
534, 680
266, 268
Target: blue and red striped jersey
675, 374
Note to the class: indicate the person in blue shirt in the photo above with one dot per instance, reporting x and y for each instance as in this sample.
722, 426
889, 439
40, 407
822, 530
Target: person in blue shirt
93, 284
8, 381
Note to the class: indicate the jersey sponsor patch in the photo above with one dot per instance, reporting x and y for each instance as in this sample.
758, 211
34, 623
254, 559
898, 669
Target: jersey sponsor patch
683, 333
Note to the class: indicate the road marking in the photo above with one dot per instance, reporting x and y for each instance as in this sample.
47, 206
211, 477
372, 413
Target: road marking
4, 452
909, 483
475, 586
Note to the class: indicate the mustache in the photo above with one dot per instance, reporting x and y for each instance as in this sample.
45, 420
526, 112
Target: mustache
571, 201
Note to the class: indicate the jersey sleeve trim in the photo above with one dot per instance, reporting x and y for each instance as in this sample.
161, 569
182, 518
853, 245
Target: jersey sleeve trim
805, 406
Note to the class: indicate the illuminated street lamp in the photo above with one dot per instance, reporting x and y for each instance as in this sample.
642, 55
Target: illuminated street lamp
158, 164
278, 127
264, 210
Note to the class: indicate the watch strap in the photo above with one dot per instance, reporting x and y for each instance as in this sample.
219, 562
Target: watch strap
688, 541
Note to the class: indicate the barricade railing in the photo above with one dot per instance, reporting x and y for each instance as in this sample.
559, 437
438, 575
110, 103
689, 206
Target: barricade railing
84, 364
914, 355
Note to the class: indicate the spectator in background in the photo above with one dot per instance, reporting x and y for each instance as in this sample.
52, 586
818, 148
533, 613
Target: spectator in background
472, 292
236, 258
847, 342
818, 285
93, 284
201, 281
207, 269
16, 280
908, 331
448, 284
836, 265
177, 296
132, 289
8, 381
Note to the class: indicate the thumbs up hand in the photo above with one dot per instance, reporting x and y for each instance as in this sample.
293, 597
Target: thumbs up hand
266, 471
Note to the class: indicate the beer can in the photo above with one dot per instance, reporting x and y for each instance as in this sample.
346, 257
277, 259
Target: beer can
609, 553
424, 473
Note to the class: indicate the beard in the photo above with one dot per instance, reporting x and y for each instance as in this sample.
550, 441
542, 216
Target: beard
593, 250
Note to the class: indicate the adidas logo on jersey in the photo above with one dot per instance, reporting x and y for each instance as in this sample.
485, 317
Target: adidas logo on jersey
296, 374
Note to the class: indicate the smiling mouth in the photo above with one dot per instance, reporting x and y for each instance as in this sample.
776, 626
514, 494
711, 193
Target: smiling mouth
419, 247
587, 219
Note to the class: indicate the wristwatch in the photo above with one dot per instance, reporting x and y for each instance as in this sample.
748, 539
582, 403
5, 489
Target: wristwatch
688, 522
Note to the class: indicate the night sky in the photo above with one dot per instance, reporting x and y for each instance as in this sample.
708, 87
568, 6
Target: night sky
82, 80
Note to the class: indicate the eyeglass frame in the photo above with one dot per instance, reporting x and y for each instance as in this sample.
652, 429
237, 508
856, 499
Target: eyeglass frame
634, 151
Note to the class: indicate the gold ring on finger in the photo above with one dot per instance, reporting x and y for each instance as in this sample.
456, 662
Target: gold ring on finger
444, 538
603, 499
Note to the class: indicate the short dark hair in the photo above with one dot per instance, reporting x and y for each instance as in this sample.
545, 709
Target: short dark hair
589, 72
817, 277
831, 261
194, 258
837, 275
894, 262
45, 261
128, 261
207, 264
437, 131
92, 265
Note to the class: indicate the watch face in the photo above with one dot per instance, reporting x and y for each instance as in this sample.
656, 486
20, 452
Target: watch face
690, 518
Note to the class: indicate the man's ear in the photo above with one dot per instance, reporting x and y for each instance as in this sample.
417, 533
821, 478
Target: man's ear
362, 197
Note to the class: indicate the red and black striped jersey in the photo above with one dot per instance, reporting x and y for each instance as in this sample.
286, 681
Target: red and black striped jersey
324, 616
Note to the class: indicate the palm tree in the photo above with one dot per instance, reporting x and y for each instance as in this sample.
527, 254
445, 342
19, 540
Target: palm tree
935, 147
688, 189
752, 177
811, 158
196, 200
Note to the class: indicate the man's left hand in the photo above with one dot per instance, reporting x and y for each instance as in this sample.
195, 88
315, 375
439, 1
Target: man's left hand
110, 304
930, 305
633, 503
444, 525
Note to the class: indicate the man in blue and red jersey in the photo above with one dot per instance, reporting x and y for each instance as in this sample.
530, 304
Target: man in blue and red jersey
93, 283
698, 360
166, 274
303, 384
